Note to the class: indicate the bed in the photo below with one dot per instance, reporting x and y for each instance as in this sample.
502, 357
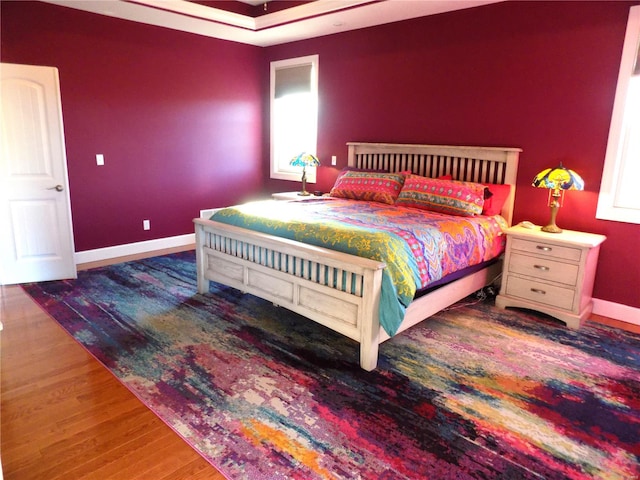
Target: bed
294, 275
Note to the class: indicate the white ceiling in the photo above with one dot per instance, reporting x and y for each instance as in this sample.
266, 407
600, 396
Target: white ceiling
254, 2
314, 19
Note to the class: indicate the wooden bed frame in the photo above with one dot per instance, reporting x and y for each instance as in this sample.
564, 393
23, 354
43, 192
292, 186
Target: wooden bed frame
285, 272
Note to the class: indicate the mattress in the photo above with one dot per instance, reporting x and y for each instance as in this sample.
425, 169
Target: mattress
419, 247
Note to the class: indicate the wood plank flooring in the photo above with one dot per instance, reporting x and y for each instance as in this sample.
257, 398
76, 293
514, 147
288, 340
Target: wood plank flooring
64, 416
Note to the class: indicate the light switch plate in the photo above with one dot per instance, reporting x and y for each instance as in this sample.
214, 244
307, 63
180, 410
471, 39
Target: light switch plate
100, 159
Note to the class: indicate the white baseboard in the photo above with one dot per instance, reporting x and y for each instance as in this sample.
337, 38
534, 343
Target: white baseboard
107, 253
605, 308
617, 311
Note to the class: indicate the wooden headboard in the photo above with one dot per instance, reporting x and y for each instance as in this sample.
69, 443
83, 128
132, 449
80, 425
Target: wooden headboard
470, 164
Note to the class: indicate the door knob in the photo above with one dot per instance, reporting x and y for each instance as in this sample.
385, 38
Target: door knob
57, 188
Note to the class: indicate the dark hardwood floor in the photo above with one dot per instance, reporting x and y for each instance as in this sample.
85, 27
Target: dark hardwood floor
64, 416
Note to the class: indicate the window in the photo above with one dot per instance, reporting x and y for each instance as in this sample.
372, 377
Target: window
619, 199
294, 115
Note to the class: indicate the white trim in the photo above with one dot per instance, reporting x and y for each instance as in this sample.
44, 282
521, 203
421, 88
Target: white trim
116, 251
310, 20
285, 172
616, 157
617, 311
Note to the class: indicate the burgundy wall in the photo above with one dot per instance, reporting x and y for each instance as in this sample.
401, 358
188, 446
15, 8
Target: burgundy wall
536, 75
177, 116
182, 120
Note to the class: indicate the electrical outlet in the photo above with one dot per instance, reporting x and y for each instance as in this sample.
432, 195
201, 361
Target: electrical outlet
146, 225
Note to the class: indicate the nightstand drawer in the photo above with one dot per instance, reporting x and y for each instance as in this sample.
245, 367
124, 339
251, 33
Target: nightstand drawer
539, 292
547, 249
544, 269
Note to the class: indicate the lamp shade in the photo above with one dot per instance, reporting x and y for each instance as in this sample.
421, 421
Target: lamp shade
558, 178
305, 159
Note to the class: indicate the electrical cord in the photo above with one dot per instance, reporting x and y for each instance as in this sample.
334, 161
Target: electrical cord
485, 293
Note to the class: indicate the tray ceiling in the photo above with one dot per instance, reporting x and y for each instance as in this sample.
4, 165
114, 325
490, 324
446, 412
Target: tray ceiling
313, 19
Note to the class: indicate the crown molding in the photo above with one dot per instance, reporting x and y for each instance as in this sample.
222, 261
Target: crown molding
314, 19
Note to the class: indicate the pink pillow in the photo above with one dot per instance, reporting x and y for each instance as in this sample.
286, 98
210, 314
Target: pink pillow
372, 186
495, 201
443, 196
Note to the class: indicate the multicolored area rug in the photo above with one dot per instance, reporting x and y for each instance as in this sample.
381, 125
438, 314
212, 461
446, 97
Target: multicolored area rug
473, 392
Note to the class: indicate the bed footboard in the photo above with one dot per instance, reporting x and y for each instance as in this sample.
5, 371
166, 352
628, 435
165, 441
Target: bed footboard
335, 289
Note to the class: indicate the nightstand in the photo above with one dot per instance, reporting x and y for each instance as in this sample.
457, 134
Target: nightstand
293, 196
551, 273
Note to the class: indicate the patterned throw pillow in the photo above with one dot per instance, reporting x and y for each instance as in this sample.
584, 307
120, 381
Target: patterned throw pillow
372, 186
443, 196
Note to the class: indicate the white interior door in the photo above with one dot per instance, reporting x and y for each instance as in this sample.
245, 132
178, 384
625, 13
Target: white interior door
36, 235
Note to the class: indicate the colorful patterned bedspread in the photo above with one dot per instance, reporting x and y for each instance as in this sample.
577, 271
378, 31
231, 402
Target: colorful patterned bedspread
419, 247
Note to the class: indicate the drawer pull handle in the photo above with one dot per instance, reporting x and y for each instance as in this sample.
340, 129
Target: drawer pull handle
542, 267
543, 248
537, 290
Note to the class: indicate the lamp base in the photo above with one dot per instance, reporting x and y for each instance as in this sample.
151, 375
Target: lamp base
304, 192
551, 228
554, 204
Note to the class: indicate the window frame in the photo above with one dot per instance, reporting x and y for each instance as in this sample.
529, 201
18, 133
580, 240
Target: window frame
615, 159
280, 171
